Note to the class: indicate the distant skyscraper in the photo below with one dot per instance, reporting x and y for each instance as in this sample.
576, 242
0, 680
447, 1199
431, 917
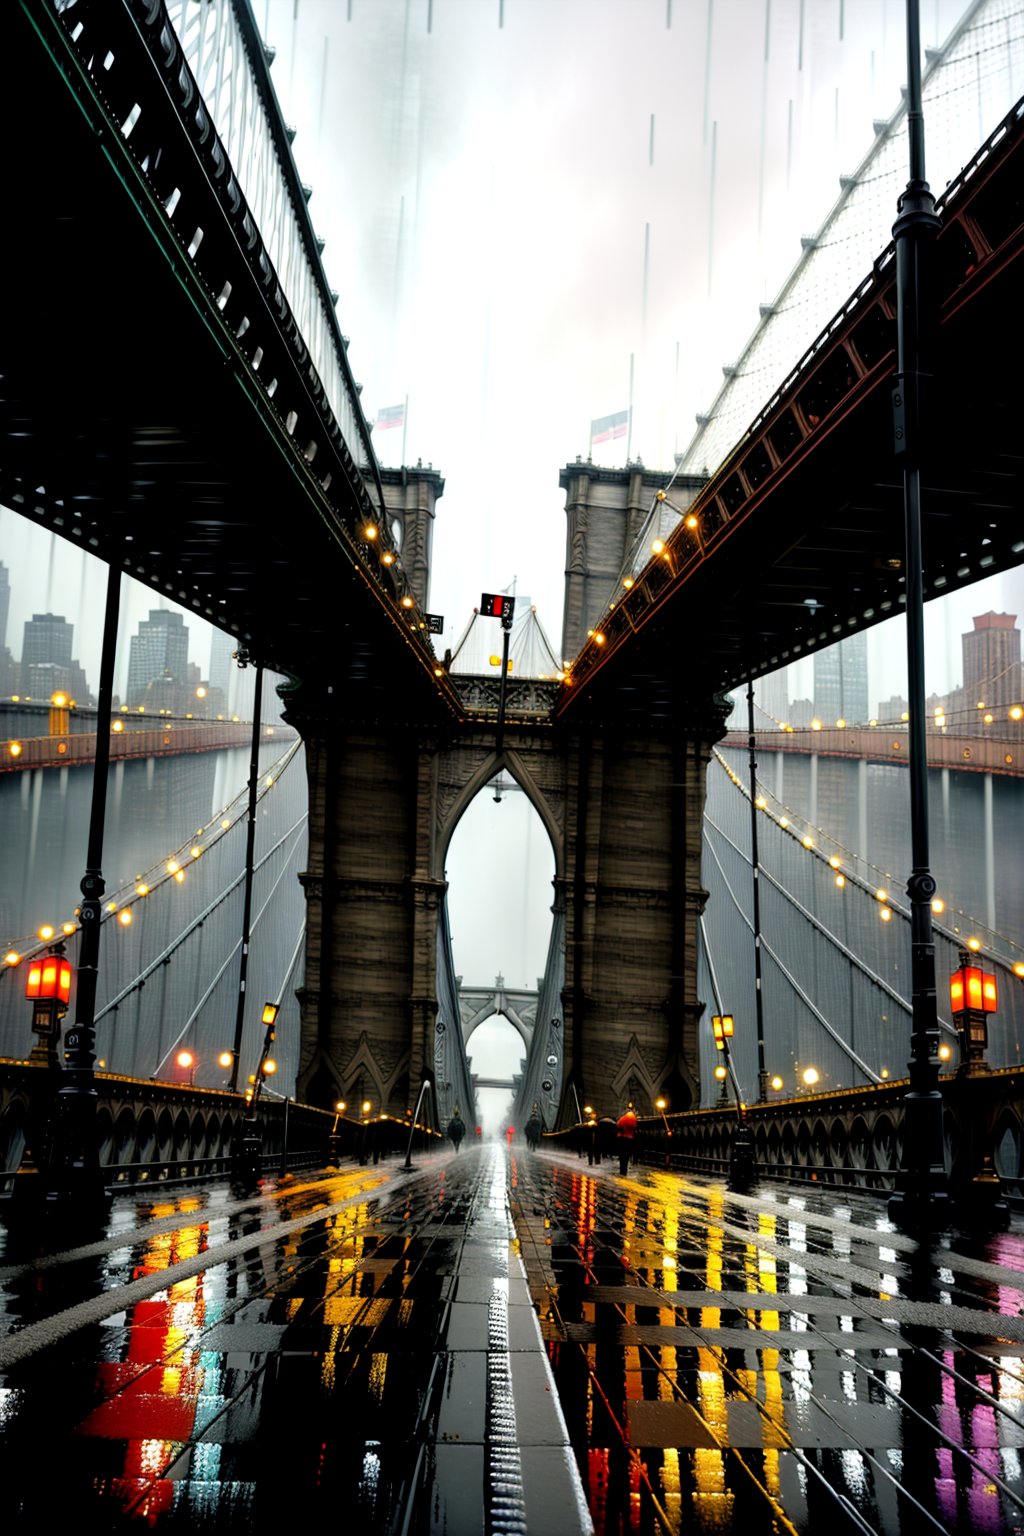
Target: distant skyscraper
771, 694
841, 681
8, 671
5, 602
46, 660
992, 674
158, 654
48, 639
222, 668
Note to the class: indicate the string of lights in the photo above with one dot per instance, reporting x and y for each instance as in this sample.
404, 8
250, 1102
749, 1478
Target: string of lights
978, 67
843, 862
122, 905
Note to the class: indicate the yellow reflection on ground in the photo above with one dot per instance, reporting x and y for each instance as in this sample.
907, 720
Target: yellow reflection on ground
671, 1486
328, 1363
378, 1370
710, 1499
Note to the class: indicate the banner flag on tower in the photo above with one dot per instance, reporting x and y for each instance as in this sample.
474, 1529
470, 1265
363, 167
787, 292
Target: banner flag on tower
607, 427
390, 416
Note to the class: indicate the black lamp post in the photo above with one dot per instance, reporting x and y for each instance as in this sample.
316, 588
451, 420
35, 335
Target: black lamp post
247, 1160
250, 843
73, 1176
741, 1154
722, 1025
661, 1104
762, 1071
921, 1198
496, 605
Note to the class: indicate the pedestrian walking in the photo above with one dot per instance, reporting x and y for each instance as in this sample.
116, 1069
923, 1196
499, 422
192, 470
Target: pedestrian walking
456, 1129
625, 1135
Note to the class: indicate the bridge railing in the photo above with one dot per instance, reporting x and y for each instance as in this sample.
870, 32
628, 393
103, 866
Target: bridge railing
184, 92
851, 1138
79, 748
852, 357
156, 1133
222, 48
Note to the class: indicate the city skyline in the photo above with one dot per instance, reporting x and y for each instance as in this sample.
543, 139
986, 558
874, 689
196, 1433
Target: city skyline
45, 569
227, 687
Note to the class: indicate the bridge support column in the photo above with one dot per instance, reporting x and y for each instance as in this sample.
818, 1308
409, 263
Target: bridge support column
370, 997
633, 899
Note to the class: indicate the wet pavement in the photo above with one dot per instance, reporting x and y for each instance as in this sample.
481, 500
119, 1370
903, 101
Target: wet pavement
358, 1347
781, 1361
509, 1342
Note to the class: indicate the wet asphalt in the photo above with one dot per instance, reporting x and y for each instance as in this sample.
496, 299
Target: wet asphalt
502, 1341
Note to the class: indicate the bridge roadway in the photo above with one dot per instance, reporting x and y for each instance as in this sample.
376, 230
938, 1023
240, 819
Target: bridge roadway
367, 1344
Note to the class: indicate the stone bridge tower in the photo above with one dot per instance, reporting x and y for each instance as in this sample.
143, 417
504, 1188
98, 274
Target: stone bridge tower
618, 781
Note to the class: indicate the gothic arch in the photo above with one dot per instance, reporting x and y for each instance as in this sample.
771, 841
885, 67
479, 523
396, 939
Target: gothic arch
633, 1070
499, 1013
491, 765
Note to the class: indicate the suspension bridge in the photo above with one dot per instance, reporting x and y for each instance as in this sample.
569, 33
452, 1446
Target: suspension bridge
513, 1288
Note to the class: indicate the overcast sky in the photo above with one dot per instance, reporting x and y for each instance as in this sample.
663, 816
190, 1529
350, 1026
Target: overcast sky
487, 192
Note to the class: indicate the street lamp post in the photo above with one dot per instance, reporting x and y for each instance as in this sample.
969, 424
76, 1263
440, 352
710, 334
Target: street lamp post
497, 605
250, 845
741, 1153
762, 1072
73, 1172
972, 997
247, 1159
921, 1198
48, 989
722, 1025
661, 1105
186, 1060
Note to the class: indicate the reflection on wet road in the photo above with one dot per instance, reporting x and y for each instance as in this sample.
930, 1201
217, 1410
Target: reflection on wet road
365, 1347
359, 1347
774, 1362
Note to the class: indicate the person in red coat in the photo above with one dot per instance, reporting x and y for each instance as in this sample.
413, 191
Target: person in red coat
625, 1135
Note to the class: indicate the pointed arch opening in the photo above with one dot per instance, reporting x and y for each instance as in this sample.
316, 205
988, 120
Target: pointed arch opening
500, 861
